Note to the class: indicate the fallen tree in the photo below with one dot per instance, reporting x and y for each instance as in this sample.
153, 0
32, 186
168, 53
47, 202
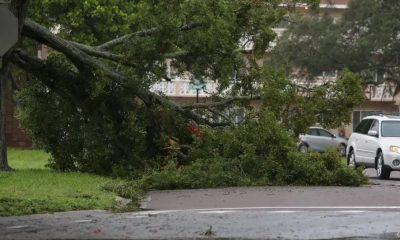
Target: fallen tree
89, 103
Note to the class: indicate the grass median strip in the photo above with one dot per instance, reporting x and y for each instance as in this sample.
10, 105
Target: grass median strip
33, 188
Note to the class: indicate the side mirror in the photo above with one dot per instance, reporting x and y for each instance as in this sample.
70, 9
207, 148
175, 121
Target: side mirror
373, 133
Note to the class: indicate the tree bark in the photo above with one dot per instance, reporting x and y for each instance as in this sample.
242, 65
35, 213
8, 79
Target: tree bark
3, 146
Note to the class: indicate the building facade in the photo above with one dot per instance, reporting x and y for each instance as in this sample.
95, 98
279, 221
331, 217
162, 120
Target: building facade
16, 137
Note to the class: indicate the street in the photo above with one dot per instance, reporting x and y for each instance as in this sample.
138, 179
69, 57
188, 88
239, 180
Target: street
255, 213
380, 193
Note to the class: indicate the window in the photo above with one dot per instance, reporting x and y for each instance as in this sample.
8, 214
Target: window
172, 69
313, 132
359, 115
375, 126
364, 126
324, 133
359, 127
356, 120
390, 128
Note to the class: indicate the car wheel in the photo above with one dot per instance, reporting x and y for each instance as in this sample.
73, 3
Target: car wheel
351, 160
382, 171
303, 148
342, 150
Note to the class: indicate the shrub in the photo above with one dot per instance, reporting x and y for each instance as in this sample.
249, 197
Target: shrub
298, 169
215, 172
256, 154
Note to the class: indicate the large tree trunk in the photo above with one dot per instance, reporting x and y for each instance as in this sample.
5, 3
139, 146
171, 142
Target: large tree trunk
3, 145
19, 8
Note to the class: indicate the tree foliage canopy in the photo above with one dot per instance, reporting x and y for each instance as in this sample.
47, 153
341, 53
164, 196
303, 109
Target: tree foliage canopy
366, 40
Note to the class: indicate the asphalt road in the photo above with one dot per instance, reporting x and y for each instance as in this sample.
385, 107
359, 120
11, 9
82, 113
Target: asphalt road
381, 193
369, 212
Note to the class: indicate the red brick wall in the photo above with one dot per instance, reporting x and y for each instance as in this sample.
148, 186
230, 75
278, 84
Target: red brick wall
15, 136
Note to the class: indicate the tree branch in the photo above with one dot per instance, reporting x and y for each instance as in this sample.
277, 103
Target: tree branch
95, 52
143, 33
221, 103
45, 73
218, 113
77, 56
178, 54
185, 112
120, 40
98, 53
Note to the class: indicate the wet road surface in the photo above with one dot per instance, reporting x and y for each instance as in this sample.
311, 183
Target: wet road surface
368, 212
381, 193
256, 224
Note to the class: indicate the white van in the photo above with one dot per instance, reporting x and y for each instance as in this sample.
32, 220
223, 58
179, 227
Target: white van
375, 143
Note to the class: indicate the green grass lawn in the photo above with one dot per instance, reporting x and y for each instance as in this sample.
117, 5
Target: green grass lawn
33, 188
27, 159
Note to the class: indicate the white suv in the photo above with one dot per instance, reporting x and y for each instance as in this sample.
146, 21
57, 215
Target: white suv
376, 144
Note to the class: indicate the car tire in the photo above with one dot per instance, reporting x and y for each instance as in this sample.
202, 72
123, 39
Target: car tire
351, 160
342, 149
382, 171
303, 148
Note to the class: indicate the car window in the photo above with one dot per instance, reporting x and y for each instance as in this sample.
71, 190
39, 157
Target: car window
359, 126
375, 126
367, 126
313, 132
324, 133
364, 126
390, 128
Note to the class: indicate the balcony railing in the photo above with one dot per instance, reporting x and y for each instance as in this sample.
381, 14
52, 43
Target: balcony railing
381, 93
179, 87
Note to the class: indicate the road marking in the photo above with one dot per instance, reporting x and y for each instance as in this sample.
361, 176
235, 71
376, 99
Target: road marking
217, 212
83, 221
156, 212
18, 227
137, 216
351, 211
285, 211
354, 208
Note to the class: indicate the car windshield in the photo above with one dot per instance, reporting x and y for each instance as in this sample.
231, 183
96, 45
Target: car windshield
391, 129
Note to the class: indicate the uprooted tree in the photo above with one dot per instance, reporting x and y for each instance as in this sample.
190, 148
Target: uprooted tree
89, 103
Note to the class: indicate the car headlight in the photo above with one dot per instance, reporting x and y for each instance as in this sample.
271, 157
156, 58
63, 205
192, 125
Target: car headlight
395, 149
